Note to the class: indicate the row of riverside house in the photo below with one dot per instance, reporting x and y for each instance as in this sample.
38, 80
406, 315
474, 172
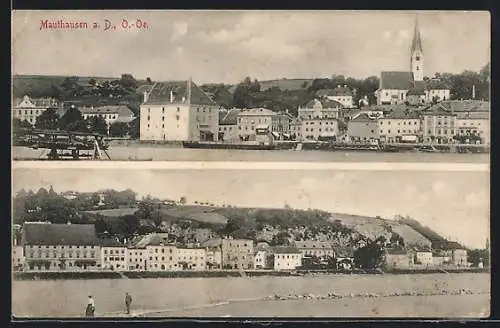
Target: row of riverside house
76, 247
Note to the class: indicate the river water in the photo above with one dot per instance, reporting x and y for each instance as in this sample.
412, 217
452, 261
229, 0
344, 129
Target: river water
223, 297
165, 153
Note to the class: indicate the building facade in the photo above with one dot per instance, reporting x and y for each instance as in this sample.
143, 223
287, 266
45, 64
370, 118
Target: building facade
178, 111
110, 114
28, 109
438, 126
394, 126
398, 259
60, 247
214, 258
315, 248
249, 121
363, 128
342, 94
286, 258
228, 125
114, 257
423, 258
192, 259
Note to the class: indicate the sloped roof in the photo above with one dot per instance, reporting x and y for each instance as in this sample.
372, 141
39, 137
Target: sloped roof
314, 244
418, 88
337, 92
229, 117
121, 110
153, 239
466, 105
144, 88
363, 117
402, 114
110, 242
160, 93
324, 102
396, 80
285, 250
416, 43
59, 234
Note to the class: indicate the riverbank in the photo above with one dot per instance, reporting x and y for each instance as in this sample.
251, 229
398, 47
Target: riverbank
429, 295
62, 275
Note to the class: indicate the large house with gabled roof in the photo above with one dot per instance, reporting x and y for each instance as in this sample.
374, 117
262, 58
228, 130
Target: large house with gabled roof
178, 111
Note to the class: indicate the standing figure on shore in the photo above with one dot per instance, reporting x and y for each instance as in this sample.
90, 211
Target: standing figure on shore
128, 301
90, 310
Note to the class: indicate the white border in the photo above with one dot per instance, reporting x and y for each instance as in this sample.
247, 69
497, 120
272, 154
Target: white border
195, 165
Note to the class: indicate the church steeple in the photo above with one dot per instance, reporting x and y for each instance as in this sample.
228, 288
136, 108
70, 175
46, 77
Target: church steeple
417, 54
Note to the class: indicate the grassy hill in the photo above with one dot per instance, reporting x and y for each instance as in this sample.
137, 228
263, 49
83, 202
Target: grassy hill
370, 227
283, 84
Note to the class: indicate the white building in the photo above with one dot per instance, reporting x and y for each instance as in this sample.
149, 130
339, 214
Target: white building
320, 108
178, 111
286, 258
114, 256
228, 125
110, 114
60, 247
398, 124
28, 109
315, 248
341, 94
214, 258
192, 259
424, 257
250, 120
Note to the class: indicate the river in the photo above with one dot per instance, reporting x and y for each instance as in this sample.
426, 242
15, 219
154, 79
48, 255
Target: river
224, 297
165, 153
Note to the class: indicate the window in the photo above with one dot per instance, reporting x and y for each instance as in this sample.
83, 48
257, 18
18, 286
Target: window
163, 110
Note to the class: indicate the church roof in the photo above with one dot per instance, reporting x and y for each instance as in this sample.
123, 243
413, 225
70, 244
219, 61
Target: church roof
416, 43
396, 80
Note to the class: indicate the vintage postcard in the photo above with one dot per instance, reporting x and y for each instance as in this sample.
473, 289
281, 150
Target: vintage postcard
142, 243
216, 164
251, 85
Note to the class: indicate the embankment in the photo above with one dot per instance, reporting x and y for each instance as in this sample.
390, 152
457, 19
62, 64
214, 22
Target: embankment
61, 275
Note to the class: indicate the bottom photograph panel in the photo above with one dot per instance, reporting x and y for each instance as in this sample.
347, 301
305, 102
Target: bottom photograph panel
250, 243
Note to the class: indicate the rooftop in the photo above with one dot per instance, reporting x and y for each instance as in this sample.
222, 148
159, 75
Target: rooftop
337, 92
121, 110
322, 102
285, 250
229, 117
256, 112
314, 244
396, 80
59, 234
177, 92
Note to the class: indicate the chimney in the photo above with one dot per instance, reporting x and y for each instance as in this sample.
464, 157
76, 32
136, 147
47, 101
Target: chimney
189, 90
473, 91
171, 96
145, 96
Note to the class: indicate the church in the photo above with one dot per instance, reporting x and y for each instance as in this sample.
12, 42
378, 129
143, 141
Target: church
411, 87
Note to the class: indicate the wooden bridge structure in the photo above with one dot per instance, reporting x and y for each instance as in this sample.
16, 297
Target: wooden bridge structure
63, 144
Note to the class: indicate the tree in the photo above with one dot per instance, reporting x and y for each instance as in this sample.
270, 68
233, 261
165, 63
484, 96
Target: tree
92, 82
134, 128
118, 129
17, 124
128, 81
47, 120
132, 224
68, 120
148, 80
97, 124
183, 200
370, 256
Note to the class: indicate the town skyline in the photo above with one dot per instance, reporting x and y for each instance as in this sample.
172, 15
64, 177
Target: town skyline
421, 196
226, 46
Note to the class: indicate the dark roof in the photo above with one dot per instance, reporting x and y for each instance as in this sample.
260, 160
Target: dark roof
285, 250
416, 43
160, 93
402, 114
418, 88
144, 88
438, 110
229, 117
121, 110
59, 234
396, 80
465, 105
110, 242
397, 252
314, 244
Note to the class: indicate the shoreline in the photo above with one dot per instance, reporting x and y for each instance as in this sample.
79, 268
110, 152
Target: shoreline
60, 275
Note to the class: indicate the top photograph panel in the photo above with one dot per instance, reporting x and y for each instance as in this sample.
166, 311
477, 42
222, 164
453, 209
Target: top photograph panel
299, 86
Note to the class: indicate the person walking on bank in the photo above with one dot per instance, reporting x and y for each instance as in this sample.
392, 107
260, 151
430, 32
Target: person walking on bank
128, 301
90, 310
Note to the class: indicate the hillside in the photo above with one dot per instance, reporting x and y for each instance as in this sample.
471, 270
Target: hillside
253, 219
283, 84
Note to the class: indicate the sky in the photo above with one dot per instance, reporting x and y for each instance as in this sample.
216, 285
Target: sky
227, 46
455, 204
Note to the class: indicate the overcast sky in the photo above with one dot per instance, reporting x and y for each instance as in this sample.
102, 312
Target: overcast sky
456, 204
215, 46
